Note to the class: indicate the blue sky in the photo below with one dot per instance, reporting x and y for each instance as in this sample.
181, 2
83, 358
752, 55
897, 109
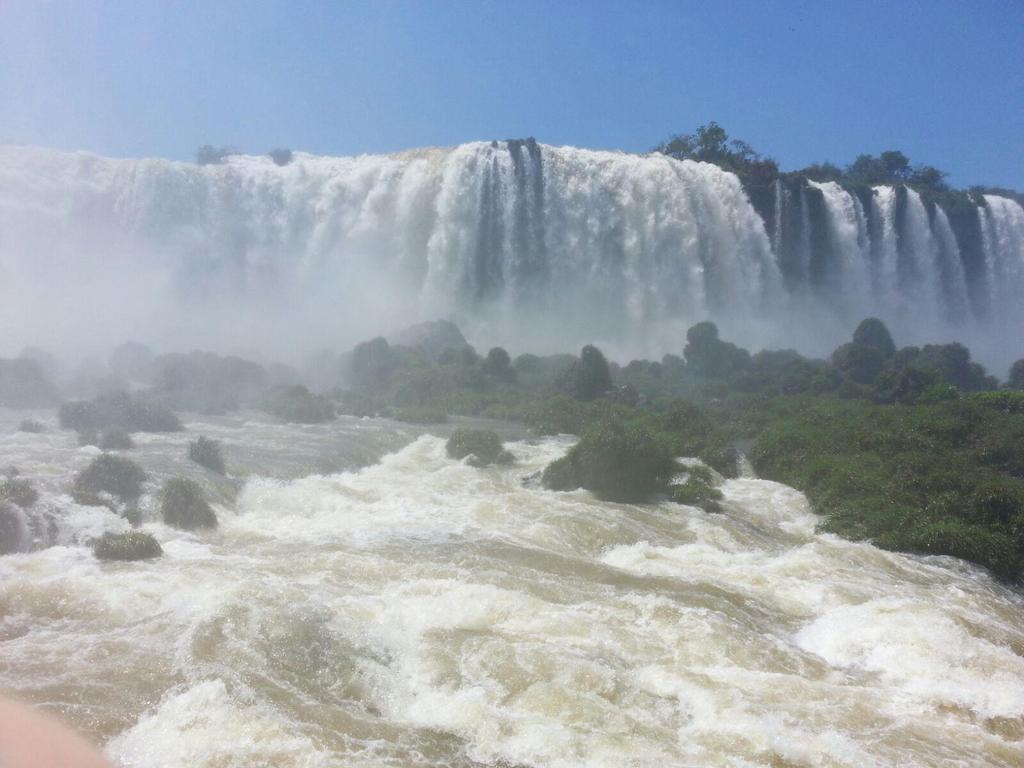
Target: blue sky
943, 81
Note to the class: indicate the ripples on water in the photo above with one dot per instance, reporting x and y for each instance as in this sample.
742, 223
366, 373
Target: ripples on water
417, 611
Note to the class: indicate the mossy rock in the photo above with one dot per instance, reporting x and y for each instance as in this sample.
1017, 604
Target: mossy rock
133, 545
183, 505
207, 453
18, 491
482, 446
119, 477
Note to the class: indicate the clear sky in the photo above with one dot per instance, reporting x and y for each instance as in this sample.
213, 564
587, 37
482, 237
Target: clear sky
801, 81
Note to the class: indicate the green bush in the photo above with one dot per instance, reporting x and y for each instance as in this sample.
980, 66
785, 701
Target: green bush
119, 477
296, 404
617, 461
588, 377
873, 333
116, 441
134, 545
207, 453
482, 446
499, 364
859, 363
182, 505
708, 356
18, 491
1016, 378
30, 425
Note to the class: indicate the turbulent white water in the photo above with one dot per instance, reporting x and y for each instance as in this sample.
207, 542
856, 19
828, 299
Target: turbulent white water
1003, 240
536, 247
418, 612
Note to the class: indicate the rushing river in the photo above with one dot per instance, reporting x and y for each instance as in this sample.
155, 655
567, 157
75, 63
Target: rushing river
367, 601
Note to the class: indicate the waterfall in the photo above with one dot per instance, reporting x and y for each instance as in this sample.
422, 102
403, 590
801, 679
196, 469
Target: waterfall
515, 240
847, 267
522, 244
1002, 232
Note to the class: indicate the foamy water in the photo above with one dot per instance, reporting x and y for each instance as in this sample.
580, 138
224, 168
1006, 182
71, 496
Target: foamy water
417, 611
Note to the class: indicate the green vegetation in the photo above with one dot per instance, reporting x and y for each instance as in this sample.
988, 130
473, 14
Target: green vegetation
18, 491
133, 545
182, 505
943, 478
298, 405
915, 448
31, 425
120, 478
698, 490
207, 453
1016, 378
615, 459
482, 446
117, 412
589, 376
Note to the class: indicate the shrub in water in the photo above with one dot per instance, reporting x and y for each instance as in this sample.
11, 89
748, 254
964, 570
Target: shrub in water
116, 441
134, 545
18, 492
206, 453
483, 446
30, 425
617, 461
119, 477
182, 505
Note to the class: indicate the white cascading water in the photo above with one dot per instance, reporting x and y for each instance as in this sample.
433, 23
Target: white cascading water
848, 276
1003, 243
519, 242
